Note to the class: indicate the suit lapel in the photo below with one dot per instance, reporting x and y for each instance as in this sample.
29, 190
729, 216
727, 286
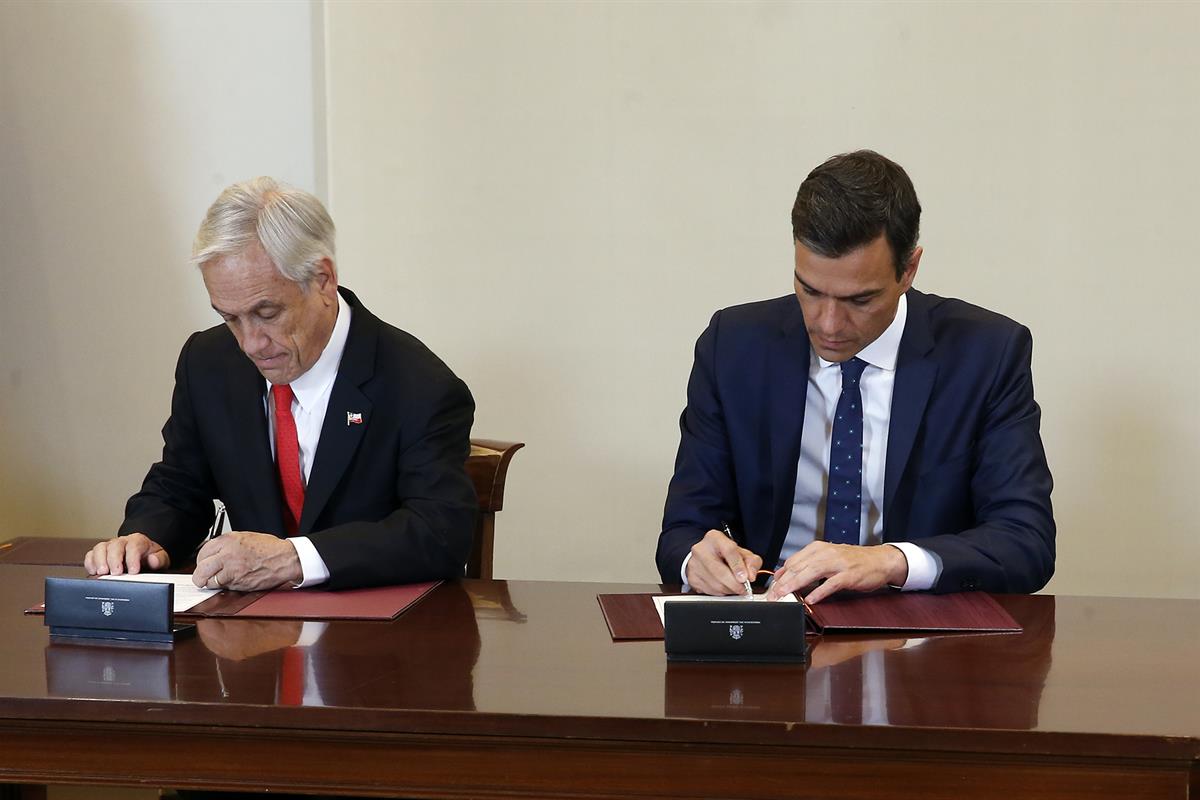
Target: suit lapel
341, 435
915, 375
787, 376
248, 425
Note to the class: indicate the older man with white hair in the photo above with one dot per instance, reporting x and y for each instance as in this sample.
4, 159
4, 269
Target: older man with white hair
336, 441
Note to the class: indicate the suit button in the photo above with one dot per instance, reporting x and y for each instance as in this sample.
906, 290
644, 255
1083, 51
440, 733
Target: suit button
970, 583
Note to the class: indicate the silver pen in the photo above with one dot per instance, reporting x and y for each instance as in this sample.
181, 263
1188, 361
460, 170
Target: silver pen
729, 533
217, 526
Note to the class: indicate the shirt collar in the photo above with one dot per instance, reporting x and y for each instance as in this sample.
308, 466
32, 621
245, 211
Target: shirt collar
885, 350
315, 383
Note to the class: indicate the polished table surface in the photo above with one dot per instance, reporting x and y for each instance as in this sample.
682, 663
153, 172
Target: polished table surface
494, 688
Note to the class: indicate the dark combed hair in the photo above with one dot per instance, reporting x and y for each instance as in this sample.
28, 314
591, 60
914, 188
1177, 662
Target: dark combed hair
850, 200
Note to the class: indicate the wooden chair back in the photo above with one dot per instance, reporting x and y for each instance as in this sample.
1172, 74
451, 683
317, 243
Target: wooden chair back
487, 467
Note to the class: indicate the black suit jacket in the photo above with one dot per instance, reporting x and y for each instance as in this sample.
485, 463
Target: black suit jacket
965, 474
388, 500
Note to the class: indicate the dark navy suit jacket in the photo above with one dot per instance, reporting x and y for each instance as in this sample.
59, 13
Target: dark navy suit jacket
388, 499
965, 477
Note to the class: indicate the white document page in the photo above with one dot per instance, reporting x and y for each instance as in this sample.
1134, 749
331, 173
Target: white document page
660, 601
187, 594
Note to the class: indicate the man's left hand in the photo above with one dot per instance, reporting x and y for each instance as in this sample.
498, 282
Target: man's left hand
842, 566
247, 562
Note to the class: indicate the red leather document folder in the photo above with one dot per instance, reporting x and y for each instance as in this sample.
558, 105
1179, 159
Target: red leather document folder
913, 611
383, 602
630, 616
633, 616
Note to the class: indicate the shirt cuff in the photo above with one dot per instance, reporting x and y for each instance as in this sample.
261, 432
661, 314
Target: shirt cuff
683, 572
312, 566
310, 632
923, 567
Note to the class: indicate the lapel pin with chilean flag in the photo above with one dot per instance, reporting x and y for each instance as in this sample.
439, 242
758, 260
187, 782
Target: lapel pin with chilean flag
353, 418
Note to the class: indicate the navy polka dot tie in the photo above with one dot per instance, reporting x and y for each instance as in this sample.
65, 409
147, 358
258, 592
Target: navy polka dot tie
843, 502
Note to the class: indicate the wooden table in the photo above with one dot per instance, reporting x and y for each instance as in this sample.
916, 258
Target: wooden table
490, 689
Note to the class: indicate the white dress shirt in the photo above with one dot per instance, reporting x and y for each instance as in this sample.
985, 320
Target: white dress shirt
311, 393
812, 472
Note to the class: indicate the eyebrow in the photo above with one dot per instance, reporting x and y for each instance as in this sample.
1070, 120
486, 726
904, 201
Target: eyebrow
259, 306
867, 295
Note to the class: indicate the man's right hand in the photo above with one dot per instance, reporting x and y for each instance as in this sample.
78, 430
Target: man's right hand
239, 639
126, 554
718, 566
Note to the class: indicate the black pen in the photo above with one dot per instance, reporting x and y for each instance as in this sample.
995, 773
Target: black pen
729, 533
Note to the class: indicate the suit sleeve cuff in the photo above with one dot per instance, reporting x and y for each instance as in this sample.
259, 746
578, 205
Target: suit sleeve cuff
312, 566
923, 567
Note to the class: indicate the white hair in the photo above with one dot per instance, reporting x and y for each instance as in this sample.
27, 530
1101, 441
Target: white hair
291, 224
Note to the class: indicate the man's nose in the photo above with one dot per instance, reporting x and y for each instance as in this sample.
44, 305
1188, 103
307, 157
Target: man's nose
253, 339
830, 318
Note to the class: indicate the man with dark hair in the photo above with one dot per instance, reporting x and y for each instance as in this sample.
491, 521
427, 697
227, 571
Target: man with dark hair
868, 435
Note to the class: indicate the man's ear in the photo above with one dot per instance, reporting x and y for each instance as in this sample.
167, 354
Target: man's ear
910, 269
325, 279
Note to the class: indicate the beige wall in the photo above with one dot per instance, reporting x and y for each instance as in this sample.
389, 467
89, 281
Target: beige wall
119, 124
557, 196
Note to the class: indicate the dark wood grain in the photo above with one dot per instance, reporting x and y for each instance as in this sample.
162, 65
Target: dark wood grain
502, 689
49, 550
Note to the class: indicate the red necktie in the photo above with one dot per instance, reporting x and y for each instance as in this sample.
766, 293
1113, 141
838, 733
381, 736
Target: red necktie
287, 457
